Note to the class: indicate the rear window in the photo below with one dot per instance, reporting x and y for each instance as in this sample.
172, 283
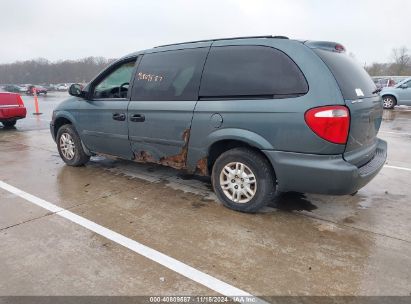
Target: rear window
352, 79
232, 71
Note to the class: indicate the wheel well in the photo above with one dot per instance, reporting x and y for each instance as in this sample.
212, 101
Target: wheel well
59, 123
219, 147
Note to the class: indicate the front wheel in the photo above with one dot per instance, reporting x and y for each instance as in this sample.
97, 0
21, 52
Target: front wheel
388, 102
243, 180
70, 147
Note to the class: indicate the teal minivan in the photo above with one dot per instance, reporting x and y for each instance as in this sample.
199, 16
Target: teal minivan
258, 114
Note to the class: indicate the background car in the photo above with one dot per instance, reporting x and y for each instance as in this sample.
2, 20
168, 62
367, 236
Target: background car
41, 90
14, 88
62, 87
48, 87
11, 109
384, 82
36, 89
400, 94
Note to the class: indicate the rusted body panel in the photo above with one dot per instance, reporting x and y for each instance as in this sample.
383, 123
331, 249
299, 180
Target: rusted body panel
202, 166
164, 136
177, 161
144, 157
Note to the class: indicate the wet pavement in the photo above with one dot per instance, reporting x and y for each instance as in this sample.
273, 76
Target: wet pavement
301, 245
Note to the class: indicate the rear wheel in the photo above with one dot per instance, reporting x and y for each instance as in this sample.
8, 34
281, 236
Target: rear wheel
70, 147
389, 102
243, 180
9, 124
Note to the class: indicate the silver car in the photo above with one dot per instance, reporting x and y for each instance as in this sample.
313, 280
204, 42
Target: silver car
400, 94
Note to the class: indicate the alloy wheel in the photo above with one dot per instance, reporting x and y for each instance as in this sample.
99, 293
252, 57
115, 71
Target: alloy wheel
67, 146
388, 102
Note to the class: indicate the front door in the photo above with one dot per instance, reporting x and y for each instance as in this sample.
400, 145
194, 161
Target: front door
404, 94
164, 95
103, 117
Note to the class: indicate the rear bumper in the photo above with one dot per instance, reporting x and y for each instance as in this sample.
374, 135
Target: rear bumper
12, 113
324, 174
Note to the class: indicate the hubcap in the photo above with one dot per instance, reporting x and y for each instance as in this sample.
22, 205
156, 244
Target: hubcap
388, 102
238, 182
67, 146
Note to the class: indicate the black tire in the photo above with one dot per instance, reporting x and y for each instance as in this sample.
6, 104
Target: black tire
80, 157
259, 166
9, 124
389, 102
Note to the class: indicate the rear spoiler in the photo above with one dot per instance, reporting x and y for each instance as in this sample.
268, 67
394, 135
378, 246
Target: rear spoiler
325, 45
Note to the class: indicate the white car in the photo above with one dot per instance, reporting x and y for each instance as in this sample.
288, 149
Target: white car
22, 88
62, 87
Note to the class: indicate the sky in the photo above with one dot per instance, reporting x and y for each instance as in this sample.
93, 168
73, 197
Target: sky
72, 29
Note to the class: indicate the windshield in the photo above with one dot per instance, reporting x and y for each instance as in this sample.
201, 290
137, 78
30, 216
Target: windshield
402, 82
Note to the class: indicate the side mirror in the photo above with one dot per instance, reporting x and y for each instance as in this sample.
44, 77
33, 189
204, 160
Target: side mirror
76, 90
404, 86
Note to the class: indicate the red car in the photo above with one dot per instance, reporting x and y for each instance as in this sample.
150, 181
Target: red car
11, 109
36, 89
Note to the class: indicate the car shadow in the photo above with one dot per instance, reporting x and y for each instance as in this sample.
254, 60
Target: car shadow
3, 128
292, 201
286, 201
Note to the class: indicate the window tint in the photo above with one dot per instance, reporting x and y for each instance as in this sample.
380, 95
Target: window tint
352, 79
251, 70
116, 83
171, 75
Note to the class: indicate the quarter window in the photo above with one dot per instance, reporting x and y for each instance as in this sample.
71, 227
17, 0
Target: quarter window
170, 75
353, 80
234, 71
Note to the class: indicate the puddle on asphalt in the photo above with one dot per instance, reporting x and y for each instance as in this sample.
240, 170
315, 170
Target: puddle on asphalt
201, 186
7, 146
194, 184
366, 202
399, 112
292, 201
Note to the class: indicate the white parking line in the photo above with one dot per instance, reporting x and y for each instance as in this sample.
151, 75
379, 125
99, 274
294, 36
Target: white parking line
154, 255
399, 168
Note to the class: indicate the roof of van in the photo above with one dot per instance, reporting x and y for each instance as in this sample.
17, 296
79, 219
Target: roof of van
229, 38
309, 43
209, 41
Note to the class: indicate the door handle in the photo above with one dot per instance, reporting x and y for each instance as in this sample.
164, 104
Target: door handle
137, 118
119, 116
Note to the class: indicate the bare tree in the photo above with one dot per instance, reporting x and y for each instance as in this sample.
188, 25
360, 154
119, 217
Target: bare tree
378, 69
402, 61
42, 71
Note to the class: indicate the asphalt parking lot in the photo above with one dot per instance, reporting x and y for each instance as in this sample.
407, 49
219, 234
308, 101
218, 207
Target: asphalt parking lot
119, 228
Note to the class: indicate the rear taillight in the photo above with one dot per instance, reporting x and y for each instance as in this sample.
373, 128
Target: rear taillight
20, 101
331, 123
